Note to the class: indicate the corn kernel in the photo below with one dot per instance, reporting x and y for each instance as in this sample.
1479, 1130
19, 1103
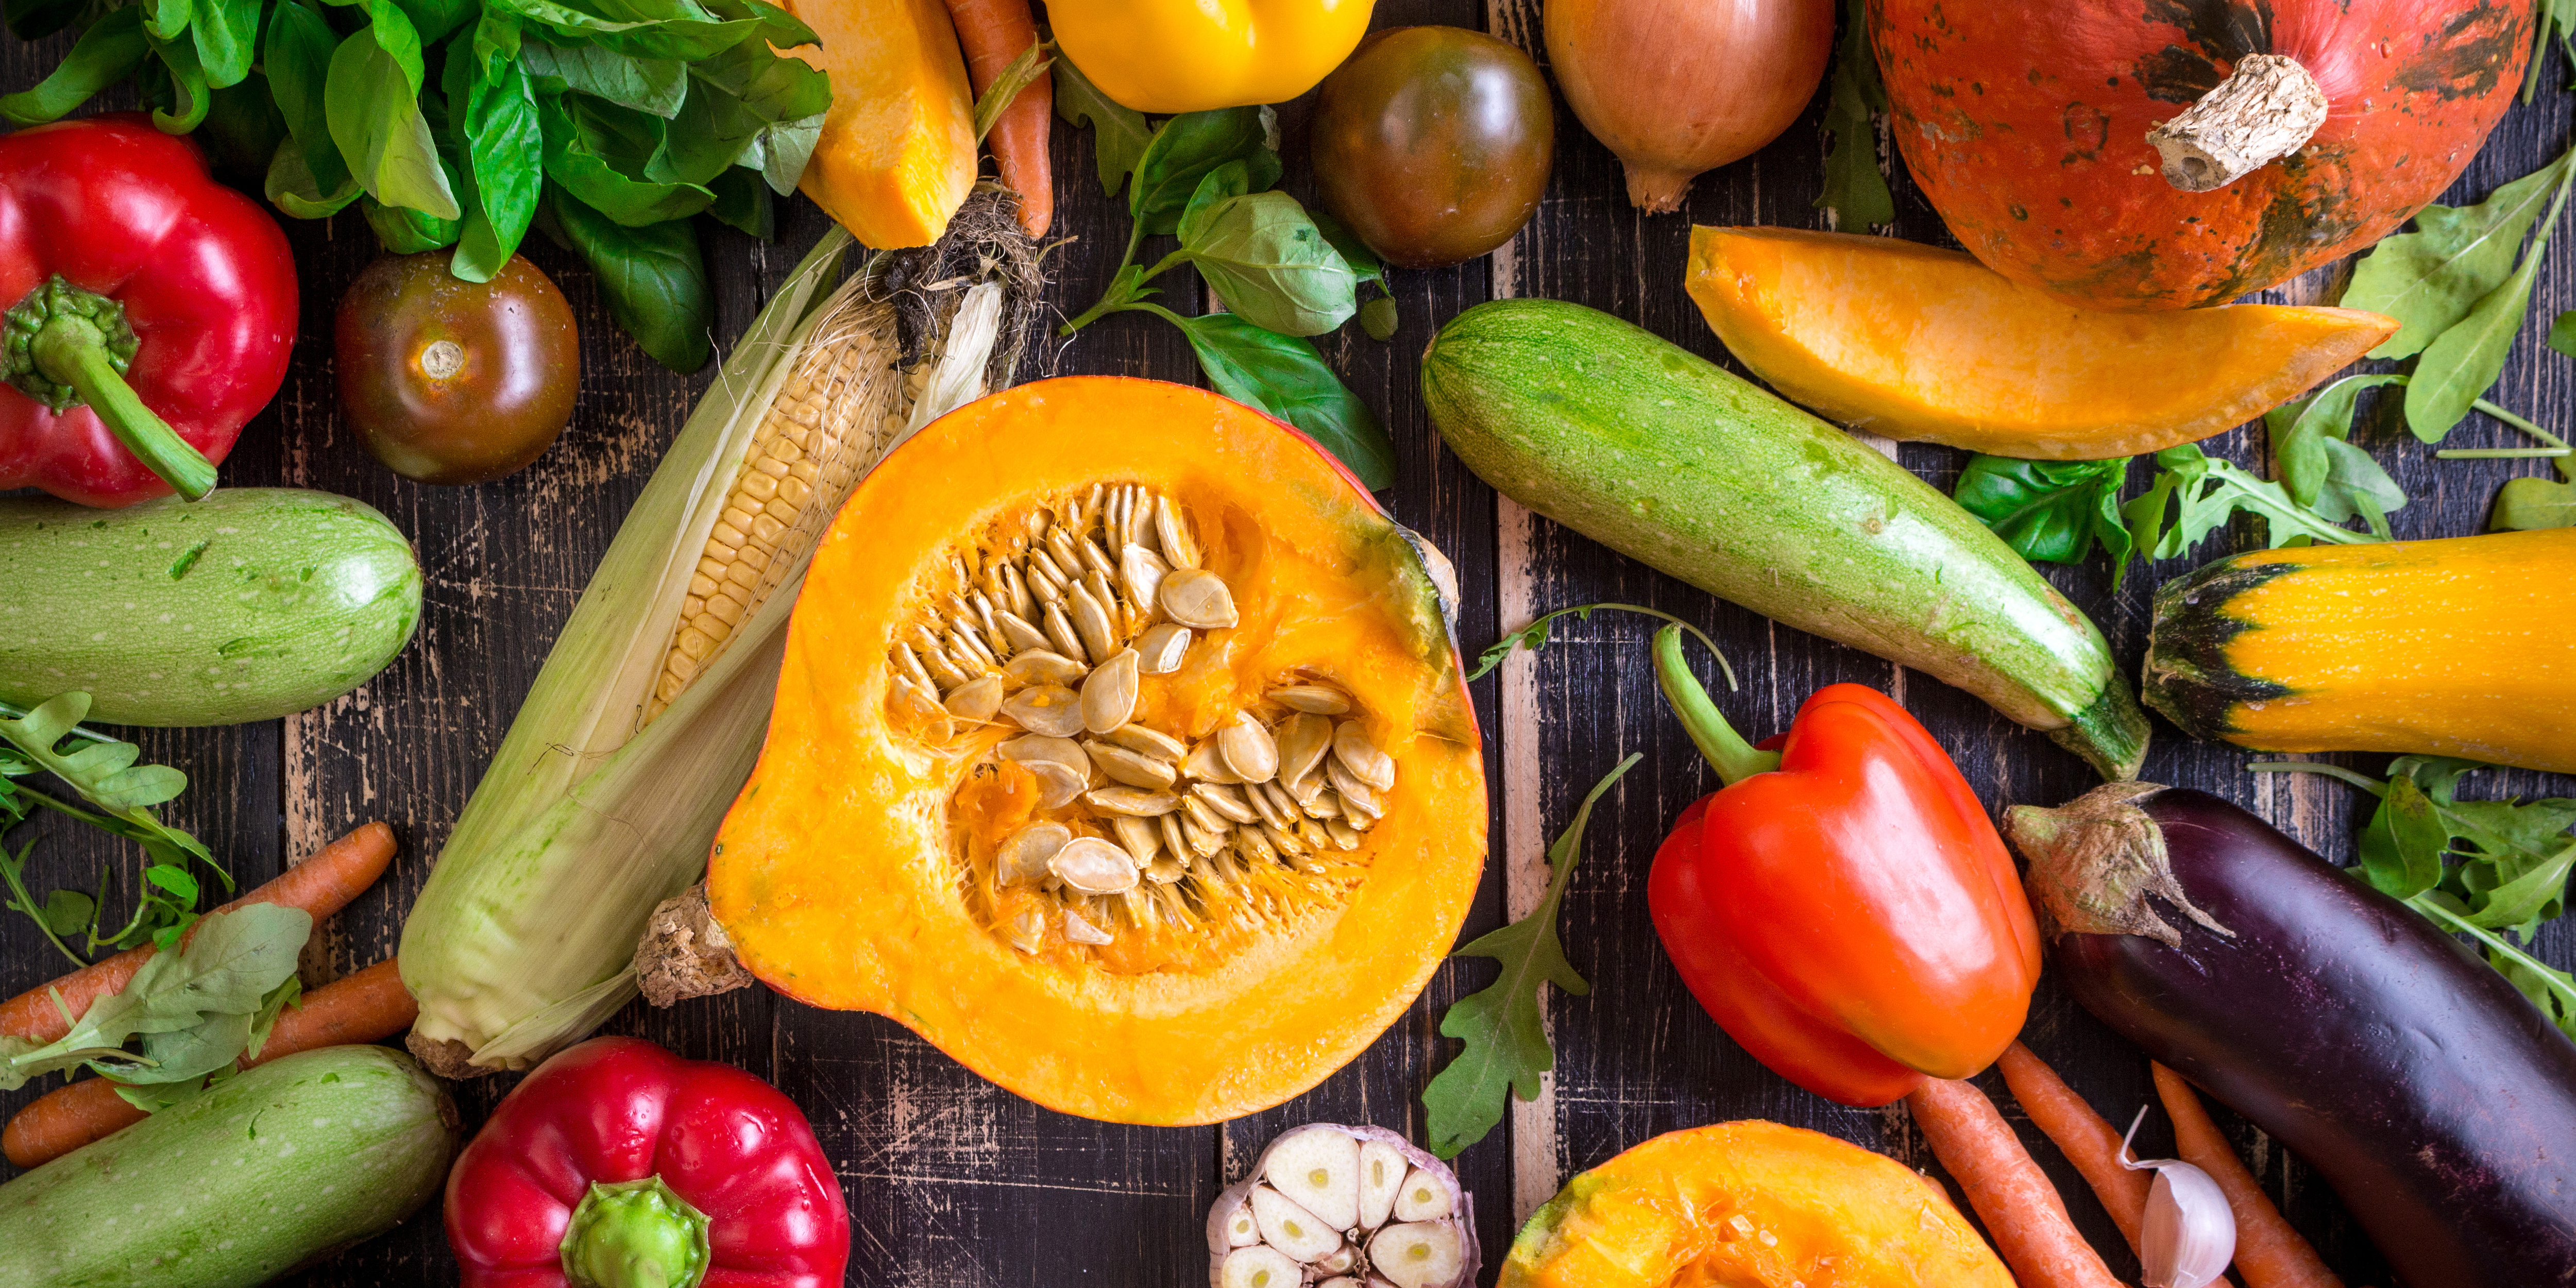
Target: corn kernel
758, 485
724, 608
713, 627
682, 665
693, 644
702, 585
769, 529
744, 576
693, 605
795, 492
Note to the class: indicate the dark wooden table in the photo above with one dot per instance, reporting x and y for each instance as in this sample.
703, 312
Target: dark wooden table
955, 1183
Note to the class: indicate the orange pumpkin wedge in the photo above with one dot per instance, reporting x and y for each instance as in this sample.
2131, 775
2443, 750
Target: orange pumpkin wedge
897, 153
1751, 1204
1121, 750
1915, 342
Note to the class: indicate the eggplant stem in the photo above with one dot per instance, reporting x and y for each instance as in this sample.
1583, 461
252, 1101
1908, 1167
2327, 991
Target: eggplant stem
1728, 753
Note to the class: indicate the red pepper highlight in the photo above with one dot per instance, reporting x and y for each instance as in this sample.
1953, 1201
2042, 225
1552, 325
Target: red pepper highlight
150, 311
1843, 907
620, 1165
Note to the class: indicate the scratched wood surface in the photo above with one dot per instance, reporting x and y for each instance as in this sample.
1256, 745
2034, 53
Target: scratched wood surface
952, 1182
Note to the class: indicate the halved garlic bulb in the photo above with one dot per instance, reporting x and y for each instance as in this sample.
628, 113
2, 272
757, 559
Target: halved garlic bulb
1343, 1207
2190, 1232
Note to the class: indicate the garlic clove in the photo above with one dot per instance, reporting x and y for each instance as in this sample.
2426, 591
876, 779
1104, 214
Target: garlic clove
1240, 1229
1260, 1267
2190, 1233
1416, 1254
1382, 1173
1339, 1260
1319, 1167
1290, 1228
1421, 1198
1341, 1281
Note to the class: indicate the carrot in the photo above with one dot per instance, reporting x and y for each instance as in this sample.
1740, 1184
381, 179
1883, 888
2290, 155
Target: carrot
2087, 1141
366, 1007
2269, 1254
995, 32
2022, 1211
320, 885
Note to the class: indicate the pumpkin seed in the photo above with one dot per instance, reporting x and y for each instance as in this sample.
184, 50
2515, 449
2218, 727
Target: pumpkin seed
1059, 629
1097, 559
919, 698
1248, 749
1173, 840
976, 699
1141, 572
1283, 840
1042, 666
1203, 841
1133, 800
1166, 871
1023, 856
1313, 699
1050, 709
1020, 633
1139, 837
1259, 794
1038, 746
1132, 768
1207, 763
1227, 801
1311, 795
1109, 696
1083, 932
1058, 785
1352, 747
1028, 931
1093, 866
1091, 621
1173, 533
1303, 739
1196, 811
1343, 834
1195, 597
1162, 647
1254, 847
1355, 793
1148, 742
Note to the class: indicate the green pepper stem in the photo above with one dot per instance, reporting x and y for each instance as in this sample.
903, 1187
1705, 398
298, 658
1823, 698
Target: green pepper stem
71, 349
1728, 753
635, 1234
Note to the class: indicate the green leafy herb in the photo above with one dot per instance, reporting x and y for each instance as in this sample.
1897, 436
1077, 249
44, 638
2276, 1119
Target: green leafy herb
2524, 505
1264, 258
2562, 334
1507, 1051
2550, 18
2050, 511
1185, 149
193, 1008
106, 53
653, 278
2460, 365
2194, 493
1284, 377
2480, 868
2430, 278
1855, 189
2318, 465
118, 796
1118, 132
1535, 637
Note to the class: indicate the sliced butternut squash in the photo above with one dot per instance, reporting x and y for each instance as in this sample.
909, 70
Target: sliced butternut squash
1915, 342
1120, 750
1750, 1205
897, 153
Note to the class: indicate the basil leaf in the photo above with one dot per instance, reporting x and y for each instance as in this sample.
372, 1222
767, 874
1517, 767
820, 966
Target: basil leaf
497, 128
766, 86
1182, 153
433, 19
1855, 190
108, 52
655, 85
297, 60
785, 148
404, 231
497, 39
37, 19
1268, 262
602, 154
686, 38
2430, 278
653, 278
226, 33
777, 28
376, 121
395, 33
1285, 378
242, 128
2049, 511
179, 95
1364, 262
1118, 133
292, 188
167, 19
743, 202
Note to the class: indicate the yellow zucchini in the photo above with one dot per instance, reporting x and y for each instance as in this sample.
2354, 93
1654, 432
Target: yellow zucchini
2458, 647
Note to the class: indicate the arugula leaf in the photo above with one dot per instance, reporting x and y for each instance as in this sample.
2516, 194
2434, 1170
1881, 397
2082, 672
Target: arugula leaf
1283, 376
1118, 133
2549, 989
2549, 17
2527, 504
188, 1005
1264, 258
2403, 845
2300, 430
2429, 279
1535, 637
102, 771
2194, 493
2459, 366
2050, 511
1855, 191
1505, 1034
653, 278
110, 51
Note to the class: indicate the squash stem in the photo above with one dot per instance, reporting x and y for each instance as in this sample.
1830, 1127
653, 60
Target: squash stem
1728, 753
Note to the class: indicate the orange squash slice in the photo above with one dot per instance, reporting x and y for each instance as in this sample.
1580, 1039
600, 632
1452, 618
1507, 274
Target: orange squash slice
1121, 750
1915, 342
897, 153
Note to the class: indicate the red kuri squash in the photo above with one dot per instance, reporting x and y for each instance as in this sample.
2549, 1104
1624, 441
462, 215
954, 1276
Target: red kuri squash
2030, 133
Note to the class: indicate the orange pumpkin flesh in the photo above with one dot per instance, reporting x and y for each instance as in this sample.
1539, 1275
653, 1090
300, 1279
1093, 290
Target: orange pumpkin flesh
859, 868
1915, 342
1750, 1205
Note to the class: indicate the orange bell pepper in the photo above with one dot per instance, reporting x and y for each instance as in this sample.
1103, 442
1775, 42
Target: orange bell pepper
1843, 907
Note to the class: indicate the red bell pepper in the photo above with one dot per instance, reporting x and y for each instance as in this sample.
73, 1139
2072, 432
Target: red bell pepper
1843, 907
150, 311
620, 1165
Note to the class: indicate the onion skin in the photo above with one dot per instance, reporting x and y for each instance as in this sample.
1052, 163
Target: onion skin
1675, 87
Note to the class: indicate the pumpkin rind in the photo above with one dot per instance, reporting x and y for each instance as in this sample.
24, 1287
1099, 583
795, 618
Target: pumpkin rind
1914, 342
832, 874
1755, 1204
2030, 137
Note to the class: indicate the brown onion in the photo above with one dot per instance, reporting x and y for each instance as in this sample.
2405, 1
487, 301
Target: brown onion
1675, 87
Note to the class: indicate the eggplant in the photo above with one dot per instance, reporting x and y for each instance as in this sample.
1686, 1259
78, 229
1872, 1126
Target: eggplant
2429, 1093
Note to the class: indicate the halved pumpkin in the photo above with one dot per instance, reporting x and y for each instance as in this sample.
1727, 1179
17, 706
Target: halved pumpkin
1750, 1204
1915, 342
1121, 750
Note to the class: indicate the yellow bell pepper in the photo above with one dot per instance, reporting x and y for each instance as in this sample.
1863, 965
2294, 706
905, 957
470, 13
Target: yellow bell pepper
1170, 56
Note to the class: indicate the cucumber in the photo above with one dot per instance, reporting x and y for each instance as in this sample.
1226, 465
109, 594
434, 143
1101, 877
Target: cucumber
251, 604
1664, 457
258, 1174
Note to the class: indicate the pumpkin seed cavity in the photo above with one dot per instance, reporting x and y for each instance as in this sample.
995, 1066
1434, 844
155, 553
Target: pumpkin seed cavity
1047, 628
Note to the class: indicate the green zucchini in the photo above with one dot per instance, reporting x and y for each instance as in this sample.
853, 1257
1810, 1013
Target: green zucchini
1664, 457
251, 604
259, 1173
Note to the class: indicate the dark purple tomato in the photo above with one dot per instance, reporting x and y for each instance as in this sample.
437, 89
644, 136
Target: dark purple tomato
1433, 143
449, 381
